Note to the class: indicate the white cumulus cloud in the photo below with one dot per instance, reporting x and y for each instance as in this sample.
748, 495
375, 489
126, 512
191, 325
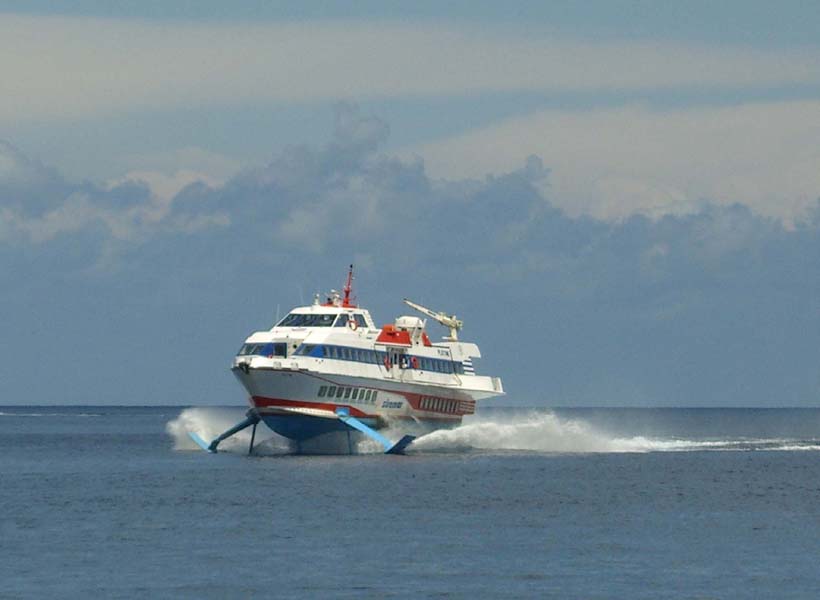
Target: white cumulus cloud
613, 162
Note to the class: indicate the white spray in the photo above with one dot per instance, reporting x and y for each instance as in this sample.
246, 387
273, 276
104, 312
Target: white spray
208, 423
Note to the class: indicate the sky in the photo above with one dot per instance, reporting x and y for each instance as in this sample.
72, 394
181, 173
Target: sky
620, 199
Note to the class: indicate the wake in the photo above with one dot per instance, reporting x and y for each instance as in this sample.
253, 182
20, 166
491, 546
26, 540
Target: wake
548, 433
535, 432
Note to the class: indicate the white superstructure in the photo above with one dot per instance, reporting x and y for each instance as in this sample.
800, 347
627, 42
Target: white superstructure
331, 355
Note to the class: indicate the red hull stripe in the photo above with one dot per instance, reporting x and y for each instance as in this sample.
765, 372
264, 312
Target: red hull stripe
262, 402
463, 406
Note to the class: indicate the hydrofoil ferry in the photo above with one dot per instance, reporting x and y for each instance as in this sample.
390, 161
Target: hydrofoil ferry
327, 371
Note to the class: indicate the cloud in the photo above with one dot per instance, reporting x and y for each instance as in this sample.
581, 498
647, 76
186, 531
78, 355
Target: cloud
38, 205
713, 306
166, 173
613, 162
59, 67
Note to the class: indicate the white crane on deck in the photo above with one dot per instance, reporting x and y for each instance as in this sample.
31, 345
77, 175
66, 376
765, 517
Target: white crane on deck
446, 320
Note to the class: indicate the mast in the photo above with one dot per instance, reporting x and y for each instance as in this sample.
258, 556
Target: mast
347, 289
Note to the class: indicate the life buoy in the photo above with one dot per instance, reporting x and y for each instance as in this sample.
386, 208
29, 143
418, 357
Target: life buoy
414, 362
351, 322
387, 362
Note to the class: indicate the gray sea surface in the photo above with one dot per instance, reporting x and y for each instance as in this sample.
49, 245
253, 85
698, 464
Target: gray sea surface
115, 502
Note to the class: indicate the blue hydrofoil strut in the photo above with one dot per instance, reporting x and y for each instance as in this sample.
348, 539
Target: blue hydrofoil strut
251, 419
389, 447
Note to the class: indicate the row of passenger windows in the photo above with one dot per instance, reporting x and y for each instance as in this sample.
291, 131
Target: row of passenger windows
377, 357
266, 349
320, 320
438, 404
358, 395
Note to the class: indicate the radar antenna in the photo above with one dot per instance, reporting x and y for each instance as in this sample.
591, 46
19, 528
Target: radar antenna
448, 321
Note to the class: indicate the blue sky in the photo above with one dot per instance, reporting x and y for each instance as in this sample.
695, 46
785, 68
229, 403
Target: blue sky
623, 194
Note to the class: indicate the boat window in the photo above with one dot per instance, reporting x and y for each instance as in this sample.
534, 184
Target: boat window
303, 350
367, 396
355, 393
331, 391
373, 398
269, 349
308, 320
334, 351
322, 391
341, 321
248, 349
360, 320
459, 368
347, 393
339, 391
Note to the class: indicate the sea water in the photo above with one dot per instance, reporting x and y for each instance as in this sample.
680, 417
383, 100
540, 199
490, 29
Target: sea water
595, 503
